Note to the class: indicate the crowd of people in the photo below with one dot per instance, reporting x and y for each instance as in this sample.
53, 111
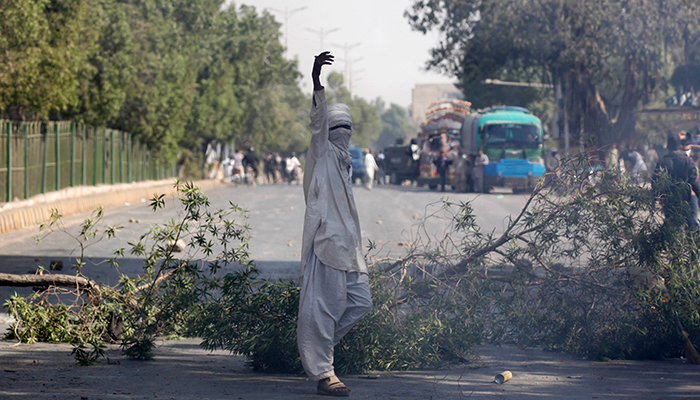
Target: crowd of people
637, 160
680, 160
270, 168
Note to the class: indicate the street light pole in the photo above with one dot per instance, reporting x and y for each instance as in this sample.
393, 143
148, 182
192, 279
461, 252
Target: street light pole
346, 49
287, 13
322, 34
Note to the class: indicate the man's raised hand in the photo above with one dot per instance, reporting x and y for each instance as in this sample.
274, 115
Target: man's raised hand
325, 58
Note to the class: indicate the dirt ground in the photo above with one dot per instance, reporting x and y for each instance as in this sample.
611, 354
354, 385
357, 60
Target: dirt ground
181, 370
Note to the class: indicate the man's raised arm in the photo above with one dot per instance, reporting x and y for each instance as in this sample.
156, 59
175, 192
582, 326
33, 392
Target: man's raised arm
319, 111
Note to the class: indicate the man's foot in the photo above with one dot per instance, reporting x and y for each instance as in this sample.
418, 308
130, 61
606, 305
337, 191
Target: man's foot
332, 386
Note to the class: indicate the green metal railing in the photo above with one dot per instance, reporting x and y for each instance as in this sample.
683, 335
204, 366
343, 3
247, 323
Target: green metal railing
40, 157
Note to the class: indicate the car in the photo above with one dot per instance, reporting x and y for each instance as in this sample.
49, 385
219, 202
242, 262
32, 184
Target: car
358, 164
399, 164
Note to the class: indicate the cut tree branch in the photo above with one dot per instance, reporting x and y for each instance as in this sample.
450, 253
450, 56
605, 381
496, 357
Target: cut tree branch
30, 280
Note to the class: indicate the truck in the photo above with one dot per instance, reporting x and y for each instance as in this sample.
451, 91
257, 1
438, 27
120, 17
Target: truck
440, 131
511, 137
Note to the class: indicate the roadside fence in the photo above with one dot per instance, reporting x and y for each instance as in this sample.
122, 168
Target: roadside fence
40, 157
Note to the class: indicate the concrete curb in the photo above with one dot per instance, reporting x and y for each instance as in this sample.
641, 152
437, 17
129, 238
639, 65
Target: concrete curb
33, 212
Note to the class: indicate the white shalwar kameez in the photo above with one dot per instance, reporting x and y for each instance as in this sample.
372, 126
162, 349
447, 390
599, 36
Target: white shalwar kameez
335, 286
370, 168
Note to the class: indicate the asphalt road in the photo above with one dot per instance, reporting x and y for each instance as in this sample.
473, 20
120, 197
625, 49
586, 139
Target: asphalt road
390, 216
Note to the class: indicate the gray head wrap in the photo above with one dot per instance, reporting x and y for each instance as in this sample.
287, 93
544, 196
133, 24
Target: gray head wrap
340, 129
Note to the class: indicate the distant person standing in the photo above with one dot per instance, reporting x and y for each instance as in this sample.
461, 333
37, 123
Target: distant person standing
639, 168
238, 162
442, 165
479, 162
251, 160
293, 167
651, 157
684, 175
271, 168
370, 168
381, 163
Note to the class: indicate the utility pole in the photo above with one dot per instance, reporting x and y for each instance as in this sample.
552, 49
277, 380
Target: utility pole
348, 61
349, 71
352, 77
322, 34
287, 13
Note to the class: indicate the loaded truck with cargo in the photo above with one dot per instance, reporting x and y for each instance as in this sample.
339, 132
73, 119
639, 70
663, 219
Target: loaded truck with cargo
440, 131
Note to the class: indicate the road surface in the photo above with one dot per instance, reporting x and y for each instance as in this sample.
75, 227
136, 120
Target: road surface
389, 216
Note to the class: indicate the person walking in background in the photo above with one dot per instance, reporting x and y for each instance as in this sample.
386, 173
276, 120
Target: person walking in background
251, 160
381, 163
238, 162
370, 169
293, 167
651, 157
639, 168
335, 285
442, 166
271, 168
682, 171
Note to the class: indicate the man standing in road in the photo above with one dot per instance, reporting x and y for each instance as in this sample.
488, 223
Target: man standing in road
238, 163
335, 286
682, 171
442, 165
371, 168
293, 168
251, 160
479, 162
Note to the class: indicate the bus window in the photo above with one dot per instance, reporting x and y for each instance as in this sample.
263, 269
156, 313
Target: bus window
496, 134
515, 134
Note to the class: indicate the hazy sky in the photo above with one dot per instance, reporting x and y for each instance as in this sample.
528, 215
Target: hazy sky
392, 55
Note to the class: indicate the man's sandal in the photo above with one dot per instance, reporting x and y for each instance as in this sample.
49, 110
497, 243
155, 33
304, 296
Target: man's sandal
332, 386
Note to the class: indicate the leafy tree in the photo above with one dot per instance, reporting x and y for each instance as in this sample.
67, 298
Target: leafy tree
267, 84
41, 56
162, 89
178, 74
107, 70
609, 57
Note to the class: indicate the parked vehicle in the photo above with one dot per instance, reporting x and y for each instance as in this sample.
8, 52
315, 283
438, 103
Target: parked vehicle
358, 164
399, 164
511, 137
